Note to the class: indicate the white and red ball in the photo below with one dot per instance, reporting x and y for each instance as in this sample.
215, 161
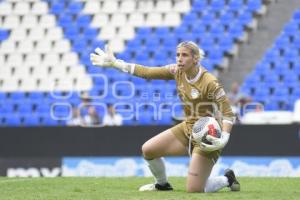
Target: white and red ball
206, 126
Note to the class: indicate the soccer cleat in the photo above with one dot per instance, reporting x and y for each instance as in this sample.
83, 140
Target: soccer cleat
156, 187
233, 182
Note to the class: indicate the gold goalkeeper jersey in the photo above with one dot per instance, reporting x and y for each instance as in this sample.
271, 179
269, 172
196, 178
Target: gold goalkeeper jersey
201, 96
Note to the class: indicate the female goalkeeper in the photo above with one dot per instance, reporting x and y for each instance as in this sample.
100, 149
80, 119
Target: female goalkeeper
201, 95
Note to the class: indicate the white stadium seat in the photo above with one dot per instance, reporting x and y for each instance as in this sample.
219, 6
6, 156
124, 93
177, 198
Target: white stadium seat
118, 19
99, 20
7, 46
69, 59
127, 6
163, 6
145, 6
110, 6
29, 21
2, 59
46, 85
5, 8
22, 72
25, 46
21, 8
5, 71
11, 22
43, 46
37, 33
15, 59
92, 7
40, 72
33, 59
10, 84
126, 32
64, 84
39, 8
47, 21
84, 82
61, 46
77, 70
51, 59
59, 71
28, 84
137, 19
154, 19
172, 19
54, 33
18, 34
117, 45
182, 6
107, 33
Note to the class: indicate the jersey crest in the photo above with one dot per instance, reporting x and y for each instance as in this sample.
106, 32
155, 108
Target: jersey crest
195, 93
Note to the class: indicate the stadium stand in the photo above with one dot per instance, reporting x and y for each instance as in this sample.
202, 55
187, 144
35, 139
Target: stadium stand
275, 81
45, 47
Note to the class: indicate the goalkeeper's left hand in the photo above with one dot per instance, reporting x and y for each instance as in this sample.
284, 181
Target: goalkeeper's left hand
217, 143
107, 59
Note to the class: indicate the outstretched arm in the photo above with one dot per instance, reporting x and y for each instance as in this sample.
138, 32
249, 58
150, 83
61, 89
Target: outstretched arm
107, 59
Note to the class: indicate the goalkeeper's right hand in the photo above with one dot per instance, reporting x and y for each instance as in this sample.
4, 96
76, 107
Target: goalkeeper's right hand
107, 59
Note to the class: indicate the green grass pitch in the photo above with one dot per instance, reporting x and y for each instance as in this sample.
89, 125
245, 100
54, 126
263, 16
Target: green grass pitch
127, 188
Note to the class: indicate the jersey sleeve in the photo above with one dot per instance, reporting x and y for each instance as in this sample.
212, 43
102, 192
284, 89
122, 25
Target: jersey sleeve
218, 95
166, 72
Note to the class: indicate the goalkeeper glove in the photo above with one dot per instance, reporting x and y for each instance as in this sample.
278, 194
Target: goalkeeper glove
107, 59
216, 143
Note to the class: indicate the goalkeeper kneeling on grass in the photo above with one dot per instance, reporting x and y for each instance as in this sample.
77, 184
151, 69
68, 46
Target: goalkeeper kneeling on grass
200, 93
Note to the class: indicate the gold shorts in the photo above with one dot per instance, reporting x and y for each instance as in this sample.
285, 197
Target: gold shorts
182, 131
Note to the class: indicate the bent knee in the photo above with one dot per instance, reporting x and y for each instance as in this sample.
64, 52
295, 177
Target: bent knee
148, 151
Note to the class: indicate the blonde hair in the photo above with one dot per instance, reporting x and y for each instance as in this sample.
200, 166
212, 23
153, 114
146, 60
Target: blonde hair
196, 51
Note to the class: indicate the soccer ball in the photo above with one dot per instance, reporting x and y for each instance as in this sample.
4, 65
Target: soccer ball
206, 126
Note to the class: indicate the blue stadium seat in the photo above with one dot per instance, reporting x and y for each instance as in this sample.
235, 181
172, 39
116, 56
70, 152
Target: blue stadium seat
4, 34
217, 5
208, 18
65, 20
226, 43
254, 5
245, 18
32, 120
25, 108
57, 8
83, 21
217, 30
72, 32
79, 45
145, 31
145, 118
296, 15
227, 18
12, 120
199, 5
7, 108
190, 18
281, 42
236, 30
74, 8
90, 33
49, 121
236, 5
271, 79
272, 105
